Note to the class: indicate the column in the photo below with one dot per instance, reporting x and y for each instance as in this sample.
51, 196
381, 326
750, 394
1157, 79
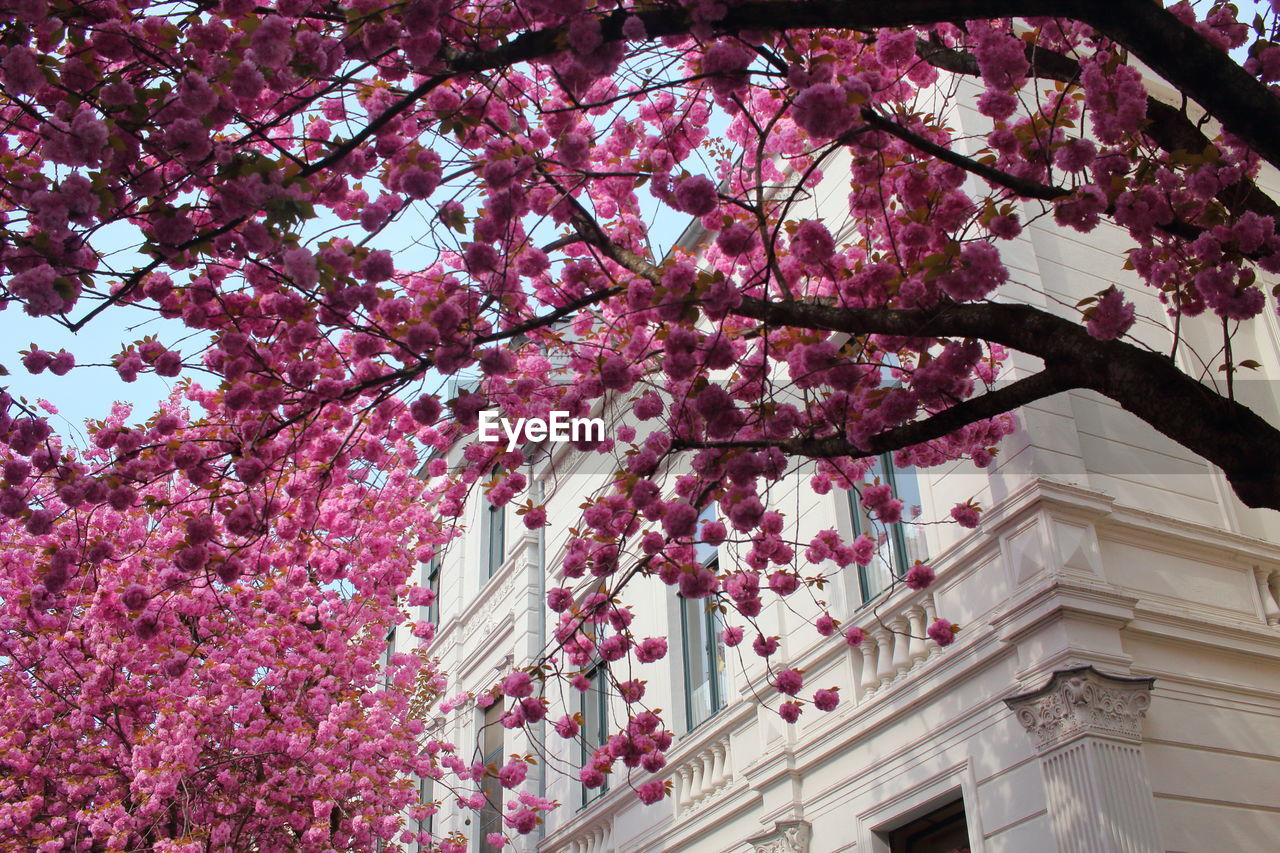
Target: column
1086, 727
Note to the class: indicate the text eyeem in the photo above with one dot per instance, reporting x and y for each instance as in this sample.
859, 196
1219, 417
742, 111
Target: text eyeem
558, 427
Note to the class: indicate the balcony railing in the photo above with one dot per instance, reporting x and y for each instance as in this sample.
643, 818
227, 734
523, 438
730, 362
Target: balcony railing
702, 775
895, 641
593, 838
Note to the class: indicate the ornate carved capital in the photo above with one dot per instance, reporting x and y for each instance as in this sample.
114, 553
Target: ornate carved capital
788, 836
1080, 702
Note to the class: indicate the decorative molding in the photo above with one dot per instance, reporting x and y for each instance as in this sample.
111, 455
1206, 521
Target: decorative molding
499, 605
1081, 702
787, 836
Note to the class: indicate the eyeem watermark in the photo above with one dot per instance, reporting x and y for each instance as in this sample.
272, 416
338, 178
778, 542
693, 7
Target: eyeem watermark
559, 427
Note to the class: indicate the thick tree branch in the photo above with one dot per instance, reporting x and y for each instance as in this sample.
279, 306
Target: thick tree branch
1027, 390
1195, 67
1243, 105
1022, 186
1167, 126
1173, 50
551, 317
1149, 385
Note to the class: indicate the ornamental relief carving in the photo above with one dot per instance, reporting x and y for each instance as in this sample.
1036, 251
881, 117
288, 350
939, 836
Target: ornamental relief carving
1078, 702
788, 836
499, 606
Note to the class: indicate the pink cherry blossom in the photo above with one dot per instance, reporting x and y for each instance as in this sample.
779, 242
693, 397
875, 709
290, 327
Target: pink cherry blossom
358, 233
942, 632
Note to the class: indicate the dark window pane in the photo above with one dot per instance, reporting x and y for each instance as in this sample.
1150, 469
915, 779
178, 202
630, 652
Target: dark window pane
433, 584
497, 539
426, 795
491, 740
704, 660
898, 545
595, 723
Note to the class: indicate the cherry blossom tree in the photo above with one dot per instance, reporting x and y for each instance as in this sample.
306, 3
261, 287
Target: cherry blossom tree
342, 206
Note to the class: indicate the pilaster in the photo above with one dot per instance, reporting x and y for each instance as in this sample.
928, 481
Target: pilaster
1086, 727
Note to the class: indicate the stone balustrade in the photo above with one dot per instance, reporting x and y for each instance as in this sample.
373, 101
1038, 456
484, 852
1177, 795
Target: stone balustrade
595, 838
895, 641
703, 774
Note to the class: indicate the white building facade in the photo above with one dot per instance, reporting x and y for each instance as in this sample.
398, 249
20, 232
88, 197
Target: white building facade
1114, 686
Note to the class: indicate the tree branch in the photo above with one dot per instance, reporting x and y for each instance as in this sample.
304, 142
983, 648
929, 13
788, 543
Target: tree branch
1022, 186
1168, 126
1146, 384
1243, 105
550, 317
1173, 50
1180, 55
1027, 390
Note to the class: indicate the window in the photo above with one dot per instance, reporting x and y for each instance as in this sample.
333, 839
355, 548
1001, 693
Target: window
703, 660
941, 831
426, 795
704, 663
491, 742
898, 545
496, 545
431, 581
595, 722
386, 657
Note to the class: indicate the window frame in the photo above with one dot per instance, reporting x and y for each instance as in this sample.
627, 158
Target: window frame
495, 539
386, 656
897, 535
431, 571
426, 794
490, 817
597, 678
711, 657
713, 654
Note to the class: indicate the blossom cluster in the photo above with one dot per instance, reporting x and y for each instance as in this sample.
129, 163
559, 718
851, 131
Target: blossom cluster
360, 229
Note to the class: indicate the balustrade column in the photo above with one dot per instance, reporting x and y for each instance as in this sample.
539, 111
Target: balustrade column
930, 614
1270, 606
918, 648
901, 642
686, 787
869, 678
708, 761
884, 668
696, 784
717, 765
